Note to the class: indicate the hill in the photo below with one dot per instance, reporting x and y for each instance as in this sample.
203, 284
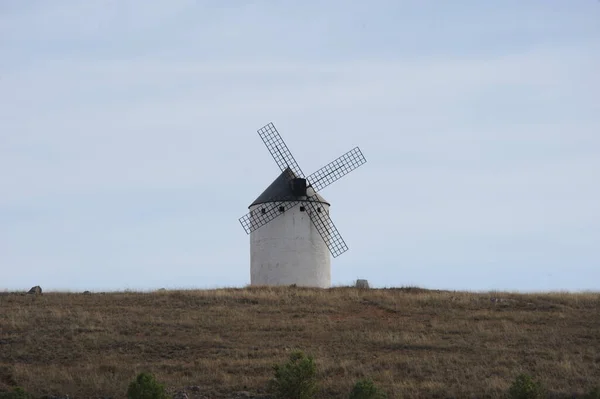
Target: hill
412, 342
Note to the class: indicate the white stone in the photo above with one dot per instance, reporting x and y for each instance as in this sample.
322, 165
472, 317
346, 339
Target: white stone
361, 283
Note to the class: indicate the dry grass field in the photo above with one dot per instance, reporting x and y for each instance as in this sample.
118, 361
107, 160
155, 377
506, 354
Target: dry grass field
412, 342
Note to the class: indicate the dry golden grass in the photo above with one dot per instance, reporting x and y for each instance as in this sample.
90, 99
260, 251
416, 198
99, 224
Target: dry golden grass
412, 342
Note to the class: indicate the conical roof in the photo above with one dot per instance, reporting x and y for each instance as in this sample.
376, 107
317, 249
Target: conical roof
281, 190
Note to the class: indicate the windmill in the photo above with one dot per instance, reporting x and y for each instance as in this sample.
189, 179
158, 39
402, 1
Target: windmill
291, 233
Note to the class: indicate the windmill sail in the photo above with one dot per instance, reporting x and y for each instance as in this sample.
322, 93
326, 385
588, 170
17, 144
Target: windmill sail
330, 234
336, 169
278, 149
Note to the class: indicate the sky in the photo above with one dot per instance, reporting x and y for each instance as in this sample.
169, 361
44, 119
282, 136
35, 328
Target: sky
128, 144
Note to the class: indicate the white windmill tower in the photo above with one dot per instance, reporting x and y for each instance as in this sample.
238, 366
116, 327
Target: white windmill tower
291, 233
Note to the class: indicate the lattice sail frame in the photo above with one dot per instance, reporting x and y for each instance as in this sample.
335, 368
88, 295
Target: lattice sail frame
320, 179
330, 234
278, 149
335, 169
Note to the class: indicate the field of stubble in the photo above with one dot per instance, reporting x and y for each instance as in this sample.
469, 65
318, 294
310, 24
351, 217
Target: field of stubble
412, 342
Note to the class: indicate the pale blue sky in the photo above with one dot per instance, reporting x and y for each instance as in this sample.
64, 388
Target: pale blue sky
128, 143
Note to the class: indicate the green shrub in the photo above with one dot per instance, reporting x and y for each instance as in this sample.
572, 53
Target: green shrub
593, 394
524, 387
366, 389
296, 379
17, 393
145, 386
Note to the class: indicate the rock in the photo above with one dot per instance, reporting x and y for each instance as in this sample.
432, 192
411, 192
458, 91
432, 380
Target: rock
361, 283
37, 290
193, 388
181, 395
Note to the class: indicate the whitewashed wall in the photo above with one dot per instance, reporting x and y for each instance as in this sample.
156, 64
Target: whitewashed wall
289, 250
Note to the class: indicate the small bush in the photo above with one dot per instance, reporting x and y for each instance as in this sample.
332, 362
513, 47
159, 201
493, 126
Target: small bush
145, 386
366, 389
296, 379
593, 394
17, 393
524, 387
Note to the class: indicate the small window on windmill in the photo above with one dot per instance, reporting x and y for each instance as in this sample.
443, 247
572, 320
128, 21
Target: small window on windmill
263, 210
302, 209
319, 209
281, 209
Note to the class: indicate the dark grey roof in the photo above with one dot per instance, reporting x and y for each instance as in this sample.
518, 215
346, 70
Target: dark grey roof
281, 190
